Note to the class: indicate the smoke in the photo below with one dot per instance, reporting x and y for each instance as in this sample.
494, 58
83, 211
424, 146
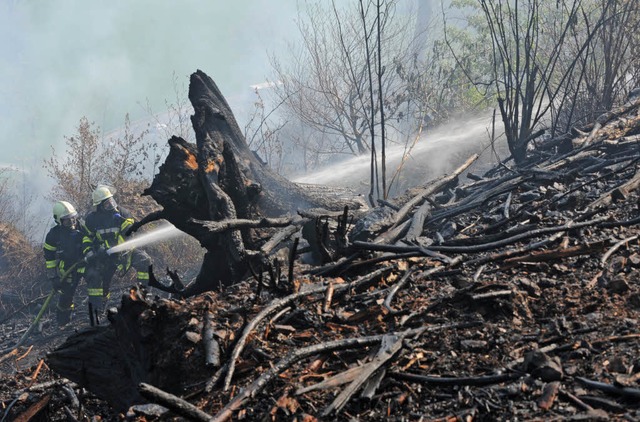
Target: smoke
64, 60
68, 59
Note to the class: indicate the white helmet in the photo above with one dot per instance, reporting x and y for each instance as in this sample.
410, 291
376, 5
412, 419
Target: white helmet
63, 209
101, 193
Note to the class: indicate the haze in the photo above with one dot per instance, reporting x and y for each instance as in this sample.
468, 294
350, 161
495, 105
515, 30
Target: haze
66, 59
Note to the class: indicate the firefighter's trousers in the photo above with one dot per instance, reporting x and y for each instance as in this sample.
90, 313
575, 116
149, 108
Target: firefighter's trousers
66, 291
100, 273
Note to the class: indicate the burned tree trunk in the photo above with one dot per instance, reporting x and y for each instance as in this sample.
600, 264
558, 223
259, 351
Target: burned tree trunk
220, 178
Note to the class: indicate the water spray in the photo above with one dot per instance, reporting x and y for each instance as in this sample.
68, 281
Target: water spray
164, 232
434, 152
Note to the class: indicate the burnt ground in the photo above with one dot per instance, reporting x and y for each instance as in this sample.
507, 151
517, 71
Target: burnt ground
518, 300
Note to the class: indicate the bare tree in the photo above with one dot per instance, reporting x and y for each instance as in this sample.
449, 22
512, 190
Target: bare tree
325, 85
75, 170
263, 135
610, 67
91, 159
7, 195
529, 78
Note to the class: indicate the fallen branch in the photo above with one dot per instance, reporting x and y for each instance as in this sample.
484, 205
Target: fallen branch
222, 226
417, 222
449, 381
542, 256
629, 392
211, 345
33, 410
256, 386
619, 193
298, 354
334, 381
406, 208
277, 238
481, 247
279, 304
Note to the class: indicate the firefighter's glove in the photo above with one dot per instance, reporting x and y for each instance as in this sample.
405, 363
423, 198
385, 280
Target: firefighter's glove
131, 229
102, 252
98, 254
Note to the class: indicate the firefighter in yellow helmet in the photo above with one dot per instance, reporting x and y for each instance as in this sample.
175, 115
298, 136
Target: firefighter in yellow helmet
63, 249
107, 227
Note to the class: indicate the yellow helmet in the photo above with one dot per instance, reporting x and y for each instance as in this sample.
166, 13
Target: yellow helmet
101, 193
63, 209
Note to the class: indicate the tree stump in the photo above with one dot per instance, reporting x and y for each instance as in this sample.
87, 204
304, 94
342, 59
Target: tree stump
220, 178
144, 342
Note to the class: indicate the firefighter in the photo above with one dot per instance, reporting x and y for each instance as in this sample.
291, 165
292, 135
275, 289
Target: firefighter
107, 226
63, 250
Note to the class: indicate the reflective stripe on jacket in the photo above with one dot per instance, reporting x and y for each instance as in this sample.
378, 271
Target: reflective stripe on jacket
63, 248
105, 228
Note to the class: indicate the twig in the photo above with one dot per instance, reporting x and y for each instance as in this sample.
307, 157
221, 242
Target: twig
615, 247
37, 371
399, 285
176, 404
71, 417
25, 354
582, 405
335, 267
13, 352
476, 381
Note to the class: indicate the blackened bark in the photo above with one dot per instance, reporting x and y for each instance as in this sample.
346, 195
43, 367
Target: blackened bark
220, 178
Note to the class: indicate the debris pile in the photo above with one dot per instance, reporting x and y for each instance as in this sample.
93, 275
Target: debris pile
514, 295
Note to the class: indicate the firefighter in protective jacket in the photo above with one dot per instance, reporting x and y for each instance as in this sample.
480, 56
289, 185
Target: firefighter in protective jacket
63, 249
107, 226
